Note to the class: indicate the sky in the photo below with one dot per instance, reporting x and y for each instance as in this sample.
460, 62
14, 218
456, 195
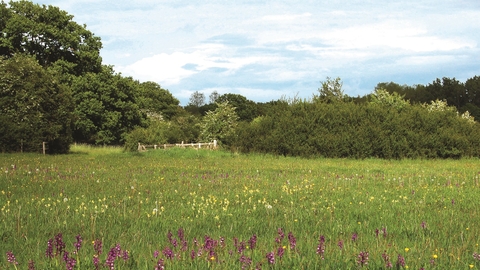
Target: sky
267, 50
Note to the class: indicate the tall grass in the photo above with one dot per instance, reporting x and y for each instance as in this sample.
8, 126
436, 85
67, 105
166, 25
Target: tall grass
422, 211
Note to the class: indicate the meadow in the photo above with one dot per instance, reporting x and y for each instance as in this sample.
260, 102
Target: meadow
101, 208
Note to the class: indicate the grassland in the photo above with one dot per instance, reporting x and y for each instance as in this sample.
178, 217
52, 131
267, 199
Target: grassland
188, 209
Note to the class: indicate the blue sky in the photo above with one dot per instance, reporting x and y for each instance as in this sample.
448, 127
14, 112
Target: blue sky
265, 49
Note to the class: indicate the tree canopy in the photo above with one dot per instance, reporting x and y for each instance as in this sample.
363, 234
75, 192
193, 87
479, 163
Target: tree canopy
49, 34
106, 107
34, 106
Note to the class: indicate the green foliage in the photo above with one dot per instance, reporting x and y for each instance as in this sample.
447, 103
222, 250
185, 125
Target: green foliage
246, 109
180, 129
385, 98
374, 129
331, 90
106, 108
35, 108
197, 99
49, 34
220, 124
157, 102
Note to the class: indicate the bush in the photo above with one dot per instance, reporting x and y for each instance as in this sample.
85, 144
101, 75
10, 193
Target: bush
376, 129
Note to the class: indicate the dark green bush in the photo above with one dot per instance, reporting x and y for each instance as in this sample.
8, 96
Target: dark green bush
346, 129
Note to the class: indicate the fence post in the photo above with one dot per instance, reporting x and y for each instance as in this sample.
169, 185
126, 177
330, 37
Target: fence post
214, 144
199, 145
43, 147
155, 147
164, 146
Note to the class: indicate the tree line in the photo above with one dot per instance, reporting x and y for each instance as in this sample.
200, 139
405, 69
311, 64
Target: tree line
55, 89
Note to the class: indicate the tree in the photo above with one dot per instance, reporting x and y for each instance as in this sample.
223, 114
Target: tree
157, 102
212, 98
245, 109
472, 89
450, 90
197, 99
385, 98
220, 124
106, 108
331, 90
50, 35
34, 107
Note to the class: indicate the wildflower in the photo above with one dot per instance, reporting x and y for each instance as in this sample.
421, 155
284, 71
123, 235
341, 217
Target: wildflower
246, 261
401, 261
110, 261
407, 249
384, 232
340, 244
168, 253
70, 263
362, 258
192, 254
96, 261
271, 257
65, 256
49, 251
280, 252
292, 240
471, 266
181, 234
222, 242
241, 247
78, 244
423, 225
354, 237
208, 243
155, 254
160, 265
59, 244
386, 259
11, 258
281, 235
125, 255
212, 254
252, 241
321, 246
31, 265
171, 239
435, 256
97, 246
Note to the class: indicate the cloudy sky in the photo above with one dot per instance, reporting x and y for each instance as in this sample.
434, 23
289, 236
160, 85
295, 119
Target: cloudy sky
265, 49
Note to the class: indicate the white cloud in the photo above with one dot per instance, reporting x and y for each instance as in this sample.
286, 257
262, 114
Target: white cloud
393, 34
260, 48
172, 68
285, 18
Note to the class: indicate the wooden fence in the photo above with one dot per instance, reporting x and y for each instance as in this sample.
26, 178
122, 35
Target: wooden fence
210, 145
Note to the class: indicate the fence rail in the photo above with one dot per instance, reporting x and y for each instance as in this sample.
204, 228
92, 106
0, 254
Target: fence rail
210, 145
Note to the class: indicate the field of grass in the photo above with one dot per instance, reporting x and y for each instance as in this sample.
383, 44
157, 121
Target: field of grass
189, 209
